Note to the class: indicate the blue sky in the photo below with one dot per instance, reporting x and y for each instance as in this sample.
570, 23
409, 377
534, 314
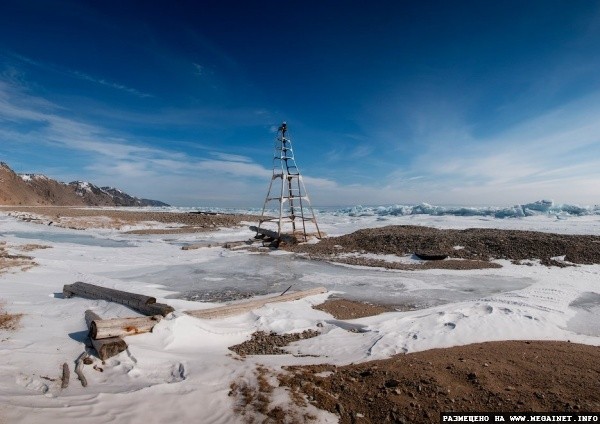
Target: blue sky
389, 102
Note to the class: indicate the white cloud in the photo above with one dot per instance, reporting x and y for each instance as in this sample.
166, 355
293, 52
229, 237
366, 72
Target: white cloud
231, 157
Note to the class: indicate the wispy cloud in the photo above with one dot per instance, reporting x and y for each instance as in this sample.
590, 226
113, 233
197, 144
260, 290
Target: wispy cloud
231, 157
548, 155
80, 75
199, 69
106, 83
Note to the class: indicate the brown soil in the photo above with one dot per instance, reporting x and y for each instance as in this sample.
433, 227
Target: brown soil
263, 343
476, 247
9, 322
8, 260
83, 218
31, 247
486, 377
351, 309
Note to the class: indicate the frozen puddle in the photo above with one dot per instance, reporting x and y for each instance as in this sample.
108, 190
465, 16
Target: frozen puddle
65, 237
236, 276
587, 319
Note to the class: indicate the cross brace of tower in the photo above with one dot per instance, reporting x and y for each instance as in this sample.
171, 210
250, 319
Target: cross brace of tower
287, 194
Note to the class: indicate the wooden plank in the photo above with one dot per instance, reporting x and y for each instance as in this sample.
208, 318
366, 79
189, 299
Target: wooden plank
240, 308
105, 348
120, 327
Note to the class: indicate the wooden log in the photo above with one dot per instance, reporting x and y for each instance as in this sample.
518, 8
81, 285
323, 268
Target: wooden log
79, 368
92, 291
65, 376
105, 348
119, 327
287, 238
109, 347
155, 309
240, 308
144, 304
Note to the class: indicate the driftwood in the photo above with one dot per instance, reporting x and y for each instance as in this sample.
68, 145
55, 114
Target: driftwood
79, 368
105, 348
287, 238
65, 376
119, 327
240, 308
145, 304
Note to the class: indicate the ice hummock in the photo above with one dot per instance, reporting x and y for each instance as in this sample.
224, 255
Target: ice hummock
540, 207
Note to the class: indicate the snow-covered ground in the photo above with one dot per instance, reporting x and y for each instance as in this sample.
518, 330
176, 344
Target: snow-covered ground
183, 370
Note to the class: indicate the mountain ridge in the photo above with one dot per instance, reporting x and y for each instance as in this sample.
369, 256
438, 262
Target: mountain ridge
38, 189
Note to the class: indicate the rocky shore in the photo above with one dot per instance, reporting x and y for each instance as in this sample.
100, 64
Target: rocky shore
473, 248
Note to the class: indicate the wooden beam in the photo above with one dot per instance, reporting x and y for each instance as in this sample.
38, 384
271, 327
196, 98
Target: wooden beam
120, 327
145, 304
240, 308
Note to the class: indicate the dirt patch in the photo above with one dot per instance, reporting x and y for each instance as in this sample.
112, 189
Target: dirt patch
351, 309
486, 377
31, 247
9, 322
8, 260
263, 343
473, 248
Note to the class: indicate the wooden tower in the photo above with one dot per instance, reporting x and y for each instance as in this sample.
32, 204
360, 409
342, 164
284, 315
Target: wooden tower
287, 195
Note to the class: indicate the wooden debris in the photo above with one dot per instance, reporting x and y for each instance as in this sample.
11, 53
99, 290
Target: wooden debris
240, 308
152, 309
105, 348
65, 376
144, 304
287, 238
79, 368
119, 327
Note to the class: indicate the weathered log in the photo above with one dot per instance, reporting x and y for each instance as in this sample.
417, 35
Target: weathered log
92, 291
138, 302
118, 327
105, 348
155, 309
240, 308
79, 368
109, 347
65, 376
